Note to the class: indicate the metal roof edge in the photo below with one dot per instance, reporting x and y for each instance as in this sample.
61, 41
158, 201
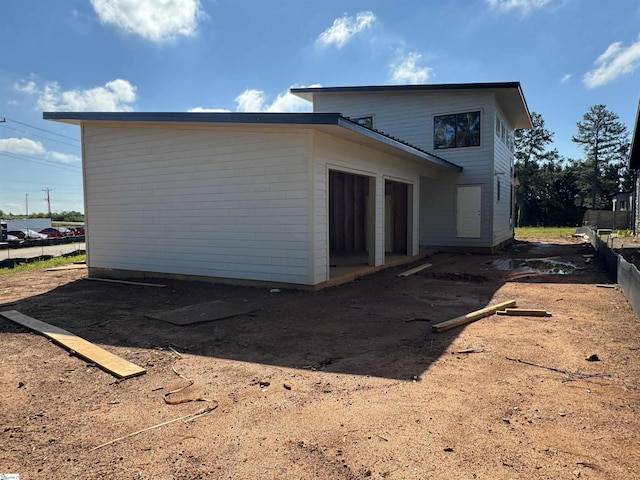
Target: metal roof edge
396, 142
408, 88
309, 119
634, 152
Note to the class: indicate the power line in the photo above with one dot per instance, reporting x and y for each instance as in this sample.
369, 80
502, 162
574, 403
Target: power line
40, 136
41, 129
40, 161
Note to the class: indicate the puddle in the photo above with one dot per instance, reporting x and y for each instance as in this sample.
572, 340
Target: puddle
535, 265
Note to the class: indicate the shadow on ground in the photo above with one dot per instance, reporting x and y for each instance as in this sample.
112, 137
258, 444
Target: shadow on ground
378, 326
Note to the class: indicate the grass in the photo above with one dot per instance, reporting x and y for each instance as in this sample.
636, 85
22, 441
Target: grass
544, 232
42, 264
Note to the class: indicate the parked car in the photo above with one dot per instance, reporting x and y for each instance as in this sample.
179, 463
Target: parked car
27, 234
77, 231
13, 241
54, 232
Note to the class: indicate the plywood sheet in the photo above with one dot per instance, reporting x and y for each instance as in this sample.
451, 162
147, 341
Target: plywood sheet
203, 312
109, 362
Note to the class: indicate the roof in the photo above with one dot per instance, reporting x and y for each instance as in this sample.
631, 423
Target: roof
634, 155
508, 94
333, 123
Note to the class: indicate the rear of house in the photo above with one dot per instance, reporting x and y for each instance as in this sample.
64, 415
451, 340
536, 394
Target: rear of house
470, 125
290, 199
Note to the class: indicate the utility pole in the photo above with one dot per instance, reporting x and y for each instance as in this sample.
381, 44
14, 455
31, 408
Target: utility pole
48, 199
26, 202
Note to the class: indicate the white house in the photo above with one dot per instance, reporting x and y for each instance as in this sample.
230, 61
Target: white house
282, 198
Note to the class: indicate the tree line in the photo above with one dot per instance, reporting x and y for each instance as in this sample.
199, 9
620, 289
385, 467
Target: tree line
67, 216
554, 191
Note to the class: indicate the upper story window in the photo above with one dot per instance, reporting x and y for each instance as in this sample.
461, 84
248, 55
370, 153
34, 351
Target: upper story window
456, 130
504, 134
364, 121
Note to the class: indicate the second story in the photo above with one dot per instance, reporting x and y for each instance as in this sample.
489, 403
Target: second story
465, 123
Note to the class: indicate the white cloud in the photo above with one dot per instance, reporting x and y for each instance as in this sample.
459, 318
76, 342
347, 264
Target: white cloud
253, 100
525, 6
207, 110
115, 96
63, 157
21, 146
29, 87
565, 78
615, 62
344, 28
407, 69
155, 20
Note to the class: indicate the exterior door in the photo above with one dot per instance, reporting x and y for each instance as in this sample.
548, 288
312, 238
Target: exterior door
469, 211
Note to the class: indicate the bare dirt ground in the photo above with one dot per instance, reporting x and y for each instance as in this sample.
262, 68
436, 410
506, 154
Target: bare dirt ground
336, 384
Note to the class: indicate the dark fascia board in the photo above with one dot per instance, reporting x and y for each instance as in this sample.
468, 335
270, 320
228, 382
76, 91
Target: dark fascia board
299, 119
634, 154
305, 92
523, 117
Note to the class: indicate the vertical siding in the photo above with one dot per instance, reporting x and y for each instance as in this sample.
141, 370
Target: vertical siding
410, 116
228, 202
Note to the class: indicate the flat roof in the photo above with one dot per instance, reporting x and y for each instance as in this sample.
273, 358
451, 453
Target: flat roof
334, 122
509, 95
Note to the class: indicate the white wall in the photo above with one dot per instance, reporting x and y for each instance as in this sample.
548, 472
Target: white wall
409, 116
36, 224
332, 153
201, 200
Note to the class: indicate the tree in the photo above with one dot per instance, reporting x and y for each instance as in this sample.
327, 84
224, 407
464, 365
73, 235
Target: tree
605, 142
530, 155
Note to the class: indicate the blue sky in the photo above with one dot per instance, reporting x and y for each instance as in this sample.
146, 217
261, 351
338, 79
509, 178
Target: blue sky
208, 55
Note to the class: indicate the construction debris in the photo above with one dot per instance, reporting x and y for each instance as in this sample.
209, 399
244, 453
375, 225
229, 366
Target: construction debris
414, 270
125, 282
187, 418
472, 317
109, 362
523, 312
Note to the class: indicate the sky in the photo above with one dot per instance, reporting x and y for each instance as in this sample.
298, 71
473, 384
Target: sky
244, 55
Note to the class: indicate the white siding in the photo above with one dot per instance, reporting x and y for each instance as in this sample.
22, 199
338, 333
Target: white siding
409, 116
502, 223
228, 202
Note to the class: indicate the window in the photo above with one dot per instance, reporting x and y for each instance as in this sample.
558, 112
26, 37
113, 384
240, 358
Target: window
498, 189
364, 121
456, 130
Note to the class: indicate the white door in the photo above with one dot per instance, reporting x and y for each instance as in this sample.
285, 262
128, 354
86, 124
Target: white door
469, 211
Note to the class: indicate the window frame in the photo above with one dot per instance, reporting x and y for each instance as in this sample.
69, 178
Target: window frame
450, 131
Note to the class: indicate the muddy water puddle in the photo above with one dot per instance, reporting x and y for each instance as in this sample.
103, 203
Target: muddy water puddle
535, 265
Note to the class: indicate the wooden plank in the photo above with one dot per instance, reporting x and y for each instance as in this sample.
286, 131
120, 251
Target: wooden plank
472, 317
524, 312
109, 362
125, 282
414, 270
73, 266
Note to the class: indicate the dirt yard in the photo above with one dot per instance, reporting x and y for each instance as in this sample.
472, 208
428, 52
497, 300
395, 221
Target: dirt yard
345, 383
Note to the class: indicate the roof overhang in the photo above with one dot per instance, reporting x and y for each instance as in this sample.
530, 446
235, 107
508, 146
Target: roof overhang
332, 123
508, 95
634, 154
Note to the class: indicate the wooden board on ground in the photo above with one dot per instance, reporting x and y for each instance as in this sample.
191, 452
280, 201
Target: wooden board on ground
524, 312
472, 317
109, 362
203, 312
73, 266
414, 270
125, 282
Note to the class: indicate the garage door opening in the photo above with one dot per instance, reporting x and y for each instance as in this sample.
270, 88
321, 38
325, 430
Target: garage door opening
396, 215
349, 220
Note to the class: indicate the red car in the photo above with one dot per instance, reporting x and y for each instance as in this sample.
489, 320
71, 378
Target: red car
53, 232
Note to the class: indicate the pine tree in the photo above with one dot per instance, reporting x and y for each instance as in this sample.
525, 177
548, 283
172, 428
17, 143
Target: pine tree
605, 142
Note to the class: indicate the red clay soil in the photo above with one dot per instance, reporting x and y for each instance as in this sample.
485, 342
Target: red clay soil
346, 383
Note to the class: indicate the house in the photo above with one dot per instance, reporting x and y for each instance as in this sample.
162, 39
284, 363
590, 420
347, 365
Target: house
291, 198
634, 166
